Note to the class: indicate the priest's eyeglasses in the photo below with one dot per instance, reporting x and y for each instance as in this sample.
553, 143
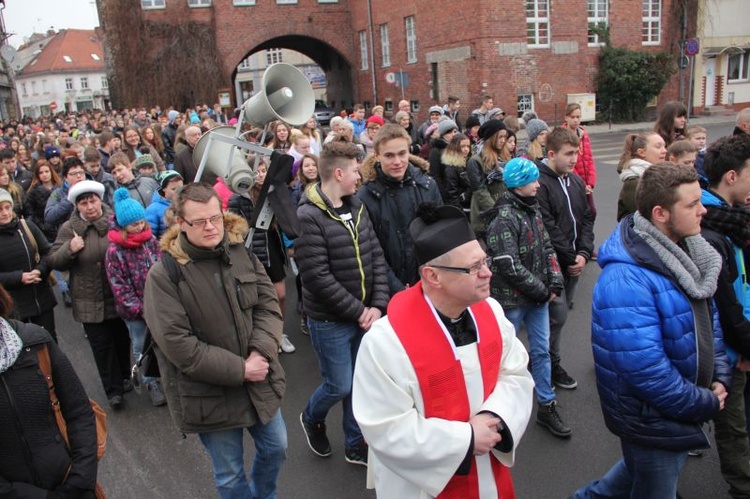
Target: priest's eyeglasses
201, 223
471, 269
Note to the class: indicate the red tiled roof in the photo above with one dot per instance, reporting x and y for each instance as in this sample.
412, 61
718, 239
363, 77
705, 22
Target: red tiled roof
69, 51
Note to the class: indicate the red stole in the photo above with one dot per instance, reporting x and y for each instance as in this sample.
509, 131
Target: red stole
441, 378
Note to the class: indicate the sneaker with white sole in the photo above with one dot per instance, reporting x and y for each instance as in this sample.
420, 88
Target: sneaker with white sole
317, 440
286, 345
356, 454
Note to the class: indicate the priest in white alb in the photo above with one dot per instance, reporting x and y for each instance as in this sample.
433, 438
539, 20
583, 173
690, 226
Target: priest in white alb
441, 388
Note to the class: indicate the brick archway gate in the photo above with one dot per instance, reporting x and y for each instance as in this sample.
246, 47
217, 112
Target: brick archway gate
338, 71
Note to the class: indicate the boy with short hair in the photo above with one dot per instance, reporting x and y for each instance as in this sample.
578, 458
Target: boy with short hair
682, 152
93, 166
140, 188
699, 137
566, 215
344, 290
358, 120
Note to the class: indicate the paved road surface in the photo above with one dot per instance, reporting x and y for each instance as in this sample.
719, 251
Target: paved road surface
147, 458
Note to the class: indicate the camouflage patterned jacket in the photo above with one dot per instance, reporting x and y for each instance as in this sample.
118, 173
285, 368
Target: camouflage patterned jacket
525, 269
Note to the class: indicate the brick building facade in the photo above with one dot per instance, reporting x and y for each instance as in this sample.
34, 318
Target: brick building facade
526, 53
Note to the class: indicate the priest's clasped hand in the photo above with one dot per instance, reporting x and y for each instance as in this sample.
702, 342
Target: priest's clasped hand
486, 435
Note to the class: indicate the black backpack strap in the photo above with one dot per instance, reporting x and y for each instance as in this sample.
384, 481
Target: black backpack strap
173, 269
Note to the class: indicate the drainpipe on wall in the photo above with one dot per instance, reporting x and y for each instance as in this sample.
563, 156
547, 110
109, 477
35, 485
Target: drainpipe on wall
372, 54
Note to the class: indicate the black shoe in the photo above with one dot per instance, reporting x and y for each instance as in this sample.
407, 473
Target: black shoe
561, 378
127, 385
67, 300
356, 454
317, 440
546, 415
115, 402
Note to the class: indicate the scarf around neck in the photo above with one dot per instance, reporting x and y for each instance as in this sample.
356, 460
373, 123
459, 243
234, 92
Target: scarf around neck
730, 221
10, 345
635, 169
696, 271
127, 240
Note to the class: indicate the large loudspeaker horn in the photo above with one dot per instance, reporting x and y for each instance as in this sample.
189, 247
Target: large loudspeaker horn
285, 95
224, 160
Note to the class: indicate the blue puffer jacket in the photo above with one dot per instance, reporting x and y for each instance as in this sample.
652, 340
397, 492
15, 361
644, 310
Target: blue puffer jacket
645, 349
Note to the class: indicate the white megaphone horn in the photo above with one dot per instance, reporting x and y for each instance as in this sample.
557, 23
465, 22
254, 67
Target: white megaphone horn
223, 159
285, 95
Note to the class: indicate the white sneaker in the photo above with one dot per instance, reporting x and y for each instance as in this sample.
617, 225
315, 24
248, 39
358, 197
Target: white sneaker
286, 345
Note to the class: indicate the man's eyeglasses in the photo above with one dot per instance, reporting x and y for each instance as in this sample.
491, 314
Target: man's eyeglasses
201, 223
78, 173
471, 269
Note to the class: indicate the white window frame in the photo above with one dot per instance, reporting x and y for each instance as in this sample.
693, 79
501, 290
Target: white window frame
273, 56
598, 12
105, 82
525, 102
410, 27
364, 63
328, 1
84, 82
33, 88
153, 4
742, 73
650, 22
245, 63
197, 4
243, 3
286, 2
24, 89
69, 84
537, 22
385, 45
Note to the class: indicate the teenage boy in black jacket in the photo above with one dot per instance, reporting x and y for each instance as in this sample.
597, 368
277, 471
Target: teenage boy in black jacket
344, 289
566, 215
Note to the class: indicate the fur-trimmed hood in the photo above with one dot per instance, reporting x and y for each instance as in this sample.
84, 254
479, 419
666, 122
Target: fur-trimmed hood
235, 231
453, 159
370, 173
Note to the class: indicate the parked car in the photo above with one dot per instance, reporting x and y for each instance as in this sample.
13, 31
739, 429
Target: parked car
323, 112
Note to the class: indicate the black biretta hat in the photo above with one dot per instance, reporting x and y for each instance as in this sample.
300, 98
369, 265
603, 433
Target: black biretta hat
437, 230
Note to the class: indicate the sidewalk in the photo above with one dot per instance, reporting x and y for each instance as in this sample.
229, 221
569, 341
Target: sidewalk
649, 125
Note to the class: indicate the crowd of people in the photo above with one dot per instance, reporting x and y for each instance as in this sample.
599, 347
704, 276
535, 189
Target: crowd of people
423, 251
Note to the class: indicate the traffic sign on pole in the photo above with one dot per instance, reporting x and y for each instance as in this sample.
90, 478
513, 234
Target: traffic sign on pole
692, 47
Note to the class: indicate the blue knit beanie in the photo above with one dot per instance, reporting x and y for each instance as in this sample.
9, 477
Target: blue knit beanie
127, 209
519, 172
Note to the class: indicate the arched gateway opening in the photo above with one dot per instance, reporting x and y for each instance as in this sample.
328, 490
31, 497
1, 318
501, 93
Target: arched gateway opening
326, 69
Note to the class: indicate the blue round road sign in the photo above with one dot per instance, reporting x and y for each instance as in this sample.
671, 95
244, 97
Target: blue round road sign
692, 47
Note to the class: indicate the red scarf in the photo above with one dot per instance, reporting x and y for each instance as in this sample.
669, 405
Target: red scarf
441, 378
127, 240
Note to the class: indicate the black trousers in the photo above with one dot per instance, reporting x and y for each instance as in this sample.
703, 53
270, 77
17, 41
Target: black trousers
110, 344
46, 320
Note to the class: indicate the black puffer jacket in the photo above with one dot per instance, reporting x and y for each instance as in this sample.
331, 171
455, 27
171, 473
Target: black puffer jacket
392, 205
243, 206
342, 268
18, 257
33, 455
566, 215
437, 170
36, 202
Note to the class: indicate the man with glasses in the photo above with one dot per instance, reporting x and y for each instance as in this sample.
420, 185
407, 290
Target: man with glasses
215, 318
441, 390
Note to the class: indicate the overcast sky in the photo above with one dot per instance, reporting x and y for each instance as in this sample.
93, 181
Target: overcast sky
24, 17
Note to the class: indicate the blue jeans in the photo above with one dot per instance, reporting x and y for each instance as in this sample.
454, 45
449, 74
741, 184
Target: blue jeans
226, 451
642, 473
536, 320
336, 345
62, 281
137, 330
558, 315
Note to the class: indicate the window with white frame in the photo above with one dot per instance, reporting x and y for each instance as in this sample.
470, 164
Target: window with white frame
285, 2
273, 56
245, 64
45, 89
385, 45
363, 64
68, 83
84, 82
33, 88
411, 39
199, 3
241, 3
537, 23
737, 67
525, 103
598, 15
25, 91
105, 82
153, 4
651, 30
